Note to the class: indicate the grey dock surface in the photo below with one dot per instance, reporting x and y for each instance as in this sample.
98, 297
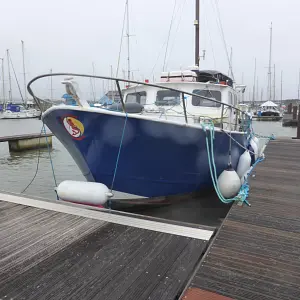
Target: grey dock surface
256, 252
50, 250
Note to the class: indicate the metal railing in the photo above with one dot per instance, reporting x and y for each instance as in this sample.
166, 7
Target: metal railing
238, 112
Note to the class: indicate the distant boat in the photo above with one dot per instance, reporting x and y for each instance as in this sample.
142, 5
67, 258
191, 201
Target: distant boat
269, 109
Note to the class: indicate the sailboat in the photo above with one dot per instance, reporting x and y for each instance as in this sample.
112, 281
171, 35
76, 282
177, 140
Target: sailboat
269, 110
154, 143
17, 111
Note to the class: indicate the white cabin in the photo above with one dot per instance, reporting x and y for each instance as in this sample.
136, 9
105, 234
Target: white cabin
169, 103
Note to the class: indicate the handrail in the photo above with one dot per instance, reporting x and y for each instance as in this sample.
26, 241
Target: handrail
38, 100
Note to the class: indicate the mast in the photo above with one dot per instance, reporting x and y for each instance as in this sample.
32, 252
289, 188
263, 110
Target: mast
24, 74
243, 94
51, 87
93, 83
128, 45
197, 34
112, 85
270, 62
3, 84
9, 77
281, 88
274, 85
230, 62
299, 85
253, 95
257, 89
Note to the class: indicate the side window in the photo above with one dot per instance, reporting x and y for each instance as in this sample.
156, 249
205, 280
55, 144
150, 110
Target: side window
167, 98
139, 97
198, 101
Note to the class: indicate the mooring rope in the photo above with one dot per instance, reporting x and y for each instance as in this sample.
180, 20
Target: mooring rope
244, 190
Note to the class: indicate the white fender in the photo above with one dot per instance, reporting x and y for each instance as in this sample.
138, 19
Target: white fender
244, 163
89, 193
257, 141
229, 183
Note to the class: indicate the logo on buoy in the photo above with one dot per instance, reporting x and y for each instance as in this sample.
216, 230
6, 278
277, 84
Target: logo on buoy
74, 127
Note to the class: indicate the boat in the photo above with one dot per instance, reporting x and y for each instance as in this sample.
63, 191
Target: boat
10, 110
269, 109
153, 143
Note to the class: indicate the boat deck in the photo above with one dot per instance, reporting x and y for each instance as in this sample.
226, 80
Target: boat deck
53, 250
256, 252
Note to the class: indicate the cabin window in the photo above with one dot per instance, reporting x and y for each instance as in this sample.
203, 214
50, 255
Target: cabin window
197, 101
167, 98
138, 97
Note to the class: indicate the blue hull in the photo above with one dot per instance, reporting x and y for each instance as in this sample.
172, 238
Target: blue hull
157, 159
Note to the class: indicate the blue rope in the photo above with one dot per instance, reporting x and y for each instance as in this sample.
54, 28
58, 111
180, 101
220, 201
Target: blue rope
118, 157
244, 190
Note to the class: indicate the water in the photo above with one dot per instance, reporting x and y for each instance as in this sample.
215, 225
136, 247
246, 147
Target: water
18, 169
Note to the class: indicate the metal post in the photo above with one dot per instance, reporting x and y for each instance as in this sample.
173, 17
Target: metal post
222, 112
121, 96
290, 106
184, 108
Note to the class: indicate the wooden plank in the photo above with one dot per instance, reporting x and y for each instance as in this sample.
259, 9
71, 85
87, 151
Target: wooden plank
255, 254
109, 216
47, 254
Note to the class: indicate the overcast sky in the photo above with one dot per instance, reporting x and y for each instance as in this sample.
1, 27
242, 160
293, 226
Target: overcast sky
70, 35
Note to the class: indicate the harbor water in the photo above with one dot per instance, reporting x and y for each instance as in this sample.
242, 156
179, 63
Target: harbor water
17, 170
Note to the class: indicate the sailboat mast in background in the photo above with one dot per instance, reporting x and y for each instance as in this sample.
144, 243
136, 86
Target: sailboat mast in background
9, 77
197, 34
24, 74
270, 62
274, 85
3, 84
254, 81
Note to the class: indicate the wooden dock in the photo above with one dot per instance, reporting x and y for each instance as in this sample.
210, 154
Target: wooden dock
53, 250
256, 253
31, 141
